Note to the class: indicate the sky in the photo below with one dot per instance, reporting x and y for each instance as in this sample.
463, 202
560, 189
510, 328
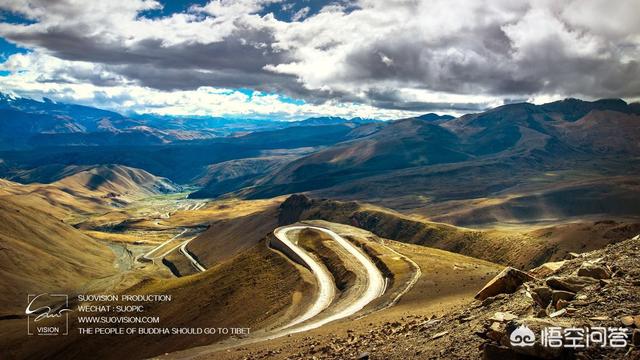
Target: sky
287, 59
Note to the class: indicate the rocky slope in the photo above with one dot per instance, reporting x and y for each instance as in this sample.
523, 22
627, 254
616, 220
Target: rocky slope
521, 248
528, 159
595, 289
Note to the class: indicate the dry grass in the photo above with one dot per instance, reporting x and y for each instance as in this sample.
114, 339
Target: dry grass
216, 298
447, 280
39, 253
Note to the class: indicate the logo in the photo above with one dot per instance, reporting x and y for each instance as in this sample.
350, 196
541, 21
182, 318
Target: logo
522, 336
47, 314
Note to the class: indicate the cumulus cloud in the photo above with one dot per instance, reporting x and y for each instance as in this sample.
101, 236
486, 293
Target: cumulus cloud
93, 84
395, 56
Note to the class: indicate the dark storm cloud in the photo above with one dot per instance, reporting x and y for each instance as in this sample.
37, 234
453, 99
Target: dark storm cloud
392, 99
484, 66
488, 66
236, 62
476, 51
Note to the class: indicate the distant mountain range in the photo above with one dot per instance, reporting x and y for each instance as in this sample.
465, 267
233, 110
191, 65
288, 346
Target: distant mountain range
40, 139
28, 123
512, 163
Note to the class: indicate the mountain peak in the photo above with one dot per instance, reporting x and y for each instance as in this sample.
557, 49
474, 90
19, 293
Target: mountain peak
573, 109
434, 117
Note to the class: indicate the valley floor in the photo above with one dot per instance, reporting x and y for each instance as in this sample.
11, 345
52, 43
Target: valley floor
218, 262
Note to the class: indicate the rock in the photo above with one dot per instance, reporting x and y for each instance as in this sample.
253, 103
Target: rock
439, 335
558, 313
600, 318
604, 282
635, 338
495, 331
594, 271
542, 295
547, 269
503, 316
636, 321
561, 304
492, 299
363, 356
495, 352
480, 331
570, 283
627, 320
572, 255
557, 295
506, 282
468, 318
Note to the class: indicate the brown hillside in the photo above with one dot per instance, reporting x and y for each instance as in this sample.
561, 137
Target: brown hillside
522, 247
39, 253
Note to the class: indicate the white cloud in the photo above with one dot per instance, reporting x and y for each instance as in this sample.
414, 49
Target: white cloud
28, 70
377, 57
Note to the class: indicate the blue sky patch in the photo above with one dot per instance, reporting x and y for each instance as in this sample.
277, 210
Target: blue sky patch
7, 49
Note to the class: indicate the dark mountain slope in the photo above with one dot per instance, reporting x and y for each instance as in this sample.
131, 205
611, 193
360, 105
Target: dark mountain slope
513, 150
180, 161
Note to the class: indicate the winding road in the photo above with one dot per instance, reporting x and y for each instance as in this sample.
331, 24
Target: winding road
375, 282
195, 263
183, 250
324, 308
148, 256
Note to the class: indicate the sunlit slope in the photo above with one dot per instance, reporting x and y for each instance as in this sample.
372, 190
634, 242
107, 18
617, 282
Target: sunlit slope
255, 289
541, 154
91, 190
39, 253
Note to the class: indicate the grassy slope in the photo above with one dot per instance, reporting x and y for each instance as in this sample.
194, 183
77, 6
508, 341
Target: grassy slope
216, 298
237, 230
522, 248
39, 253
90, 191
447, 280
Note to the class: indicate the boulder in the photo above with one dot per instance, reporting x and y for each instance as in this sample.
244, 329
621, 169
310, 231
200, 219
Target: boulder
496, 331
594, 271
570, 283
627, 320
635, 338
557, 295
542, 295
503, 316
547, 269
506, 282
561, 304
